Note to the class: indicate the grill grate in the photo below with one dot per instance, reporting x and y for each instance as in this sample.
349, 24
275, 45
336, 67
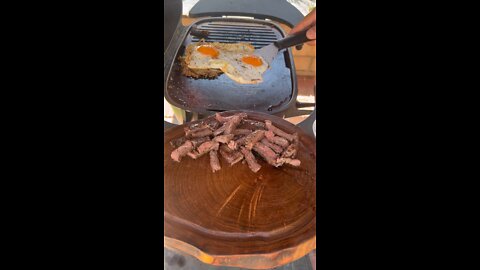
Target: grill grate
257, 35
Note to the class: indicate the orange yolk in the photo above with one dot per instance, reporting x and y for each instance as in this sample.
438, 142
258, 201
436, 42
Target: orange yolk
208, 50
252, 60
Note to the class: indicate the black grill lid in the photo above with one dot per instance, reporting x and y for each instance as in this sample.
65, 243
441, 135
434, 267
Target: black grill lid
276, 10
273, 95
172, 11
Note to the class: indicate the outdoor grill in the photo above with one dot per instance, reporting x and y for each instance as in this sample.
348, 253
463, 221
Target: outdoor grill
274, 95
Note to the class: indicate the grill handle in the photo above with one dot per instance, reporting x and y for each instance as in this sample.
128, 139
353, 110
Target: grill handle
292, 40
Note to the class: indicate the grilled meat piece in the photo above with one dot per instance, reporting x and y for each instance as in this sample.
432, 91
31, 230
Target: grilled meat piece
181, 151
195, 126
178, 142
278, 131
289, 161
201, 133
232, 157
224, 119
232, 145
235, 144
226, 148
198, 141
241, 131
276, 139
253, 138
233, 123
252, 124
212, 123
266, 153
189, 130
295, 143
223, 138
214, 162
220, 130
236, 137
290, 152
229, 123
203, 149
251, 161
277, 149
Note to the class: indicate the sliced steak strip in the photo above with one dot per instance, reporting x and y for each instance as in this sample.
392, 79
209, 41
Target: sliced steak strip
220, 130
241, 131
291, 151
277, 149
178, 142
181, 151
276, 139
198, 141
251, 161
203, 149
191, 129
278, 131
241, 141
289, 161
232, 157
236, 137
229, 126
223, 138
252, 124
237, 143
212, 123
266, 153
233, 123
200, 133
253, 138
224, 119
296, 141
214, 162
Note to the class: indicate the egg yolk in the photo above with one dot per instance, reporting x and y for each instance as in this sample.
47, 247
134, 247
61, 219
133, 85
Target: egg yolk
252, 60
208, 50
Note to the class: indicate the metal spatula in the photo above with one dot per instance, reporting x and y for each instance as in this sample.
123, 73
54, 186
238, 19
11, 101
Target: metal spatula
269, 52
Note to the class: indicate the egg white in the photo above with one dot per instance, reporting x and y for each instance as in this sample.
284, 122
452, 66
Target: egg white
229, 60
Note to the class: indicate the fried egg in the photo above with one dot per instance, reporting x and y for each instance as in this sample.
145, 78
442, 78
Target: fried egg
237, 60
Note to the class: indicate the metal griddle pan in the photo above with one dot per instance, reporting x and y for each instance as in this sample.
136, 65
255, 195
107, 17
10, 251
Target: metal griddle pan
275, 94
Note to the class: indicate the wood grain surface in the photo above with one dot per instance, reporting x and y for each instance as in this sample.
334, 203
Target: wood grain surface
235, 217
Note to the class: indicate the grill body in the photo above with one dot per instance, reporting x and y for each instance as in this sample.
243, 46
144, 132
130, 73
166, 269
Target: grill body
274, 95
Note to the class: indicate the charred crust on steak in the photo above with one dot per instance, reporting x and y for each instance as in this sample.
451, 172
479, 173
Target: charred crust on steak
178, 142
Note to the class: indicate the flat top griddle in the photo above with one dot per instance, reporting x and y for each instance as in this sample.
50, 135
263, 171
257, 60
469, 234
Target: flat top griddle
271, 96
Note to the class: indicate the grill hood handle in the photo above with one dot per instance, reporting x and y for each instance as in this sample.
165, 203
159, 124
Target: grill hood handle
292, 40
